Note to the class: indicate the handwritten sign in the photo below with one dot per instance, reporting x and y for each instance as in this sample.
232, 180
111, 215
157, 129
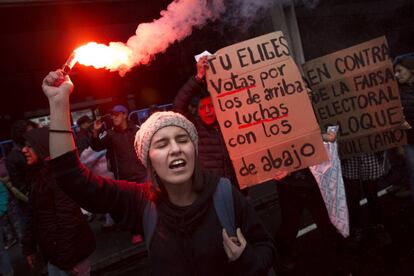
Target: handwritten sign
263, 109
355, 88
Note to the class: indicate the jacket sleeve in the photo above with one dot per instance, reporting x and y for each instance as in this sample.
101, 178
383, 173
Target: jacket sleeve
185, 94
68, 220
29, 240
125, 201
258, 256
101, 142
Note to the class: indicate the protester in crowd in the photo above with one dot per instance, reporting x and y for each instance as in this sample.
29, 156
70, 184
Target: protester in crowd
188, 237
97, 163
56, 225
6, 268
404, 73
362, 174
19, 173
213, 153
119, 143
297, 191
83, 138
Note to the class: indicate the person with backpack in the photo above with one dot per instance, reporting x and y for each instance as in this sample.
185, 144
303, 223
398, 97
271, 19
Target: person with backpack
187, 235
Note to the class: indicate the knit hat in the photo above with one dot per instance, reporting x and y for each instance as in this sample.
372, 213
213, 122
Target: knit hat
154, 123
406, 60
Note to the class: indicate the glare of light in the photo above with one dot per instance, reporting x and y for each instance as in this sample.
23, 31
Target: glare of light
114, 56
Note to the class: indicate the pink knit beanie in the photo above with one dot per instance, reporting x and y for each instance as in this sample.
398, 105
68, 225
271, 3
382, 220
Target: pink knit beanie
154, 123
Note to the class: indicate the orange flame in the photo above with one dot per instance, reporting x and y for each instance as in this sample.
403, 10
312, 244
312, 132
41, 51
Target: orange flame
116, 56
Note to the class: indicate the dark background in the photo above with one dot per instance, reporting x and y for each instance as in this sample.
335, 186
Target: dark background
38, 36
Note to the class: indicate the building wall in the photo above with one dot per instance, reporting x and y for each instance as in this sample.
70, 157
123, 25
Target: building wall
335, 25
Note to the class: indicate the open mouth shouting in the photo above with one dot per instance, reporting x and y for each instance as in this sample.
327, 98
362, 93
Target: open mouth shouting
177, 165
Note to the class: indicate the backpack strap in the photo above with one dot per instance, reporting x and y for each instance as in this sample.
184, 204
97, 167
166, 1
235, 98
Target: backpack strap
149, 221
223, 203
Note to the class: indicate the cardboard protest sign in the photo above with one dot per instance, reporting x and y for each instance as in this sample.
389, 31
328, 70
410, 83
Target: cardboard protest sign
263, 109
355, 88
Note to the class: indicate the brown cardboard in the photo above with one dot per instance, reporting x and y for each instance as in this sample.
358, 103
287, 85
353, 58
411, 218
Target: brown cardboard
262, 104
355, 88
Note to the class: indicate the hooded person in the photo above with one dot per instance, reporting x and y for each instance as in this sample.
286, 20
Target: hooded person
19, 173
188, 238
55, 225
404, 73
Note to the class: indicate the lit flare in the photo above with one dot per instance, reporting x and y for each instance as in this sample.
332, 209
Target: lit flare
116, 56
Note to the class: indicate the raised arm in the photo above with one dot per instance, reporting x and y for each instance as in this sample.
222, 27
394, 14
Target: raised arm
125, 201
100, 139
58, 87
191, 88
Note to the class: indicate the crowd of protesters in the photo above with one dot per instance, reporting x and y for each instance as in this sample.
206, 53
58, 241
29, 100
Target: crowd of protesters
160, 179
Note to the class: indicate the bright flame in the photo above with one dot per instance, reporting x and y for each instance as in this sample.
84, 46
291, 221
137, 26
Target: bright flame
116, 56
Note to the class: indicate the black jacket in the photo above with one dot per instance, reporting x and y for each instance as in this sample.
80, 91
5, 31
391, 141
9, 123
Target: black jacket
82, 140
18, 170
212, 149
187, 240
55, 224
123, 160
407, 101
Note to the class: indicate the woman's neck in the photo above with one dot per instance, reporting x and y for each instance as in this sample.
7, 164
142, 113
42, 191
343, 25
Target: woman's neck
181, 195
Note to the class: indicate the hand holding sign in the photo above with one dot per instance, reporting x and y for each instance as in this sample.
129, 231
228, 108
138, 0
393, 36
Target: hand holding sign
263, 109
202, 66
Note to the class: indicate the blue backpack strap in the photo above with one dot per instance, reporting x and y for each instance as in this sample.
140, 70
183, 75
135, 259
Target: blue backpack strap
223, 203
149, 221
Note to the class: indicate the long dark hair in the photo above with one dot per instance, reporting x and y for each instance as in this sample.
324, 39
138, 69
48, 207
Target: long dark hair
155, 187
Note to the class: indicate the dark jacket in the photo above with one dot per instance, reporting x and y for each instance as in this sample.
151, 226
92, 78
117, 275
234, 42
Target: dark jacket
18, 170
123, 160
212, 149
407, 101
82, 140
187, 240
56, 224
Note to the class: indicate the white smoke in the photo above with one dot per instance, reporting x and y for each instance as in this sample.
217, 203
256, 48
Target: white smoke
175, 24
178, 21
